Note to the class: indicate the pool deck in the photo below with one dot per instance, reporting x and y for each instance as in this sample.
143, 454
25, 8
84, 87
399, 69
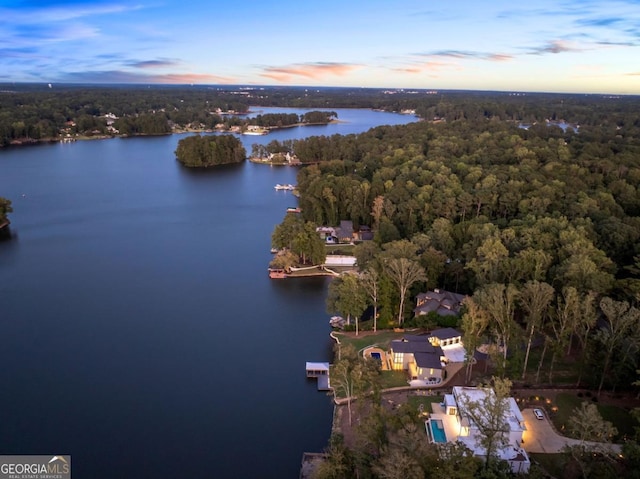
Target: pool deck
449, 423
384, 360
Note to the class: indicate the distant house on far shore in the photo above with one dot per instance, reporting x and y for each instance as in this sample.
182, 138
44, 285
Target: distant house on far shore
344, 232
439, 301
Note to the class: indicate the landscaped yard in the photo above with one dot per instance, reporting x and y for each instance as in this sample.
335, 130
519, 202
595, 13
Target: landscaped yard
380, 339
394, 379
414, 402
566, 403
345, 249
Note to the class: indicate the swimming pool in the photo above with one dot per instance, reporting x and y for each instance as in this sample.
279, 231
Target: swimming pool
376, 356
437, 431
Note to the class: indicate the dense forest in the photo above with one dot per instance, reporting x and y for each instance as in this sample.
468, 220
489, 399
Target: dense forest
211, 150
537, 222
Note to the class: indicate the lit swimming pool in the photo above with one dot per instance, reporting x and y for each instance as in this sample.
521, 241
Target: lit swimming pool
437, 431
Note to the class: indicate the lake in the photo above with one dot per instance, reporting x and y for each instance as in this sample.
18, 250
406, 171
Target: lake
140, 331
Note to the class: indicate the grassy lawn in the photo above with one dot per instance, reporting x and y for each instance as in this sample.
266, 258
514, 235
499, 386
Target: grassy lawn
344, 249
426, 401
380, 339
393, 379
566, 403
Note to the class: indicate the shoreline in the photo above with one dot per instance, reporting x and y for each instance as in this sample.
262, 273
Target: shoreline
33, 141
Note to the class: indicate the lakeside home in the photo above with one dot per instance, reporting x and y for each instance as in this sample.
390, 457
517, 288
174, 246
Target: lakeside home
452, 421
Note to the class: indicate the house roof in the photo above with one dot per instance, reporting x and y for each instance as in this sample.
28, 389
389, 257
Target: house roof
345, 230
446, 333
445, 303
428, 360
311, 366
424, 346
414, 337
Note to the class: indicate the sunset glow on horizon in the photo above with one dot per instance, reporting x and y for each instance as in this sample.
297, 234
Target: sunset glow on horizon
569, 46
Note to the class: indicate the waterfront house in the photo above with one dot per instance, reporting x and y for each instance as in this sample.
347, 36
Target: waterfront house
453, 421
344, 232
421, 359
445, 337
439, 301
425, 357
363, 234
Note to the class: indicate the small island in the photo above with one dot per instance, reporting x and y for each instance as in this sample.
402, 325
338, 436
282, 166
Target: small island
5, 207
204, 151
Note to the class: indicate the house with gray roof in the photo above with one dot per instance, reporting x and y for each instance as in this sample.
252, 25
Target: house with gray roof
416, 354
344, 232
426, 356
439, 301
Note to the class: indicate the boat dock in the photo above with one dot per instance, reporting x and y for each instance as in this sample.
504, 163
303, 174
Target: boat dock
320, 371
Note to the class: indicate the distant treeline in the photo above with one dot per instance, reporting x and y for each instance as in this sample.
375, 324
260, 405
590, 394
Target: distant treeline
30, 113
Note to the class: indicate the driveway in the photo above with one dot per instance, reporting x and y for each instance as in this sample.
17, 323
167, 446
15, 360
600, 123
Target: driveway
541, 436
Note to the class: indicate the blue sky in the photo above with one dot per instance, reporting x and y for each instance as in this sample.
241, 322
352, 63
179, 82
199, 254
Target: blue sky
560, 46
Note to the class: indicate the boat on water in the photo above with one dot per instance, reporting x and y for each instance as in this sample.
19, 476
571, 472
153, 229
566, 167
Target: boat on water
291, 209
337, 322
288, 187
277, 273
255, 131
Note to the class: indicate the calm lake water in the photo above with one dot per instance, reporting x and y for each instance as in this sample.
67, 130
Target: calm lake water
140, 332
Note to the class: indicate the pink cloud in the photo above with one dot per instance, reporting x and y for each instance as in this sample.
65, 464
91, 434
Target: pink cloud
498, 57
307, 70
190, 78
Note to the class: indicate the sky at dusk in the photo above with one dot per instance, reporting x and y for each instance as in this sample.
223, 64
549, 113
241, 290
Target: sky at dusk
546, 45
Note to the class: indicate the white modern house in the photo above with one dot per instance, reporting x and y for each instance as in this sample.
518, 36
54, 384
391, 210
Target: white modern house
452, 421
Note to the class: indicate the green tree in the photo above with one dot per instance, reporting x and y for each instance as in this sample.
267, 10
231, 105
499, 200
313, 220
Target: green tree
347, 296
475, 321
371, 283
404, 273
395, 463
535, 298
5, 208
338, 463
622, 327
300, 238
499, 302
488, 411
488, 261
586, 424
351, 375
204, 151
456, 461
285, 232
